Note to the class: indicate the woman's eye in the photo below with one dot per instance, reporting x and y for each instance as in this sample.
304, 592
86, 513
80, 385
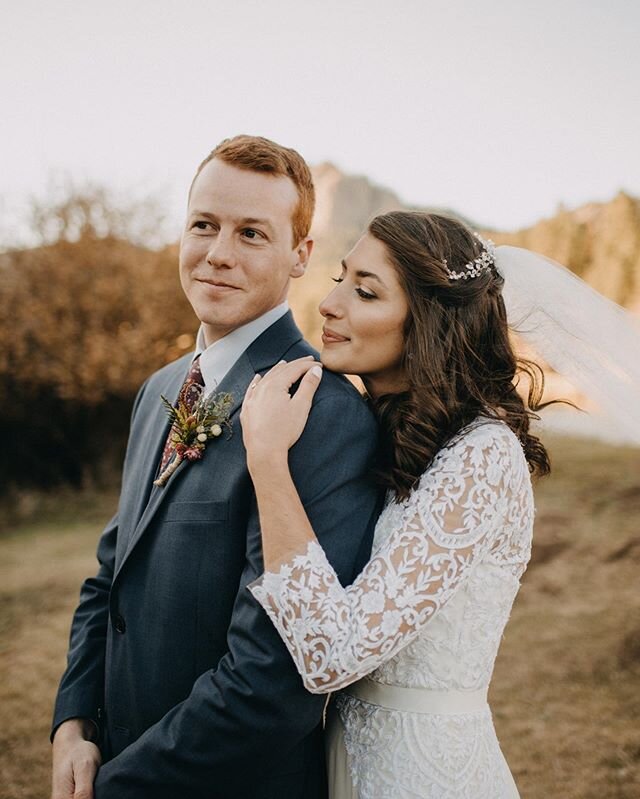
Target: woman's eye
365, 295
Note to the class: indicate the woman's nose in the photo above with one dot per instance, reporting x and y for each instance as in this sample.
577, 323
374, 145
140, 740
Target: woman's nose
331, 305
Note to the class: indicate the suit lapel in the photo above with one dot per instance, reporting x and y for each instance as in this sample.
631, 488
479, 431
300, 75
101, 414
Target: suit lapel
261, 355
154, 435
157, 430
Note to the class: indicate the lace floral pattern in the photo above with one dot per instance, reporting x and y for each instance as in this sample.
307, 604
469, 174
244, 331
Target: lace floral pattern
395, 755
428, 611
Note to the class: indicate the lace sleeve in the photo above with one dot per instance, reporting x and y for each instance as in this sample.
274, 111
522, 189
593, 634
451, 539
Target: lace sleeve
337, 635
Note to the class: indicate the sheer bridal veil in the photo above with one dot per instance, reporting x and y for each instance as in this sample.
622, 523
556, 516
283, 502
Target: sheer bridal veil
580, 334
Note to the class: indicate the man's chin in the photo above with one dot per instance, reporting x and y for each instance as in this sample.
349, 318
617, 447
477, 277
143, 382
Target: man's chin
216, 328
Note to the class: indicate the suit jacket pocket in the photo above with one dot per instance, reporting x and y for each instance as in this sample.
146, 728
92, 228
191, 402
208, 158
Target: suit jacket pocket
197, 511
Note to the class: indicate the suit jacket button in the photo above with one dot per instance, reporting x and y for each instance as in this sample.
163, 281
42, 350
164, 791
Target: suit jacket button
119, 623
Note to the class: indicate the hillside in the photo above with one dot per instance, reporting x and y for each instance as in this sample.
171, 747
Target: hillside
600, 242
565, 694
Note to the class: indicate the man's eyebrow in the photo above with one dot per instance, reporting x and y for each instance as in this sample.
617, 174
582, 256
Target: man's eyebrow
363, 273
249, 220
195, 212
255, 221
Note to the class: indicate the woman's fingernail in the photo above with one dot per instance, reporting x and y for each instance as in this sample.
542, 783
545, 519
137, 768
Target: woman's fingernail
279, 362
316, 370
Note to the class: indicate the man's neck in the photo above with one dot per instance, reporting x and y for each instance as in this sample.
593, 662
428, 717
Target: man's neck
217, 358
209, 335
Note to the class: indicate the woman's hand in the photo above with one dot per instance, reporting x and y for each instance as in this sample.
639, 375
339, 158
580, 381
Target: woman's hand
273, 420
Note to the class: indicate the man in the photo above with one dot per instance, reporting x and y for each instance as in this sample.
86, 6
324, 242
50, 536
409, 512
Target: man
174, 671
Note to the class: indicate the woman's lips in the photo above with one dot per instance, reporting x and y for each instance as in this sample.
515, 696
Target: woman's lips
329, 337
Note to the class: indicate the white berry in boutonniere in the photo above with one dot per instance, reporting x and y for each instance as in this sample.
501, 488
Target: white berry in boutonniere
191, 429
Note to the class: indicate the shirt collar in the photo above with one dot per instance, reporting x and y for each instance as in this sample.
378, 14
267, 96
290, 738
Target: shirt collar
218, 358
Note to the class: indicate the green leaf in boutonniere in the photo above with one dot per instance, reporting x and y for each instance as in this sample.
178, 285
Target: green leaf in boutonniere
191, 430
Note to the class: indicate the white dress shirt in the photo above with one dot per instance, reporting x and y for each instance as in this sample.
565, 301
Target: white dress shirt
218, 358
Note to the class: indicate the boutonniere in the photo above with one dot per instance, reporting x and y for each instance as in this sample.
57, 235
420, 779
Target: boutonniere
191, 429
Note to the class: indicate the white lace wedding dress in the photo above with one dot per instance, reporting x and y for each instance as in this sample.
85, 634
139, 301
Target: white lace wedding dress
423, 620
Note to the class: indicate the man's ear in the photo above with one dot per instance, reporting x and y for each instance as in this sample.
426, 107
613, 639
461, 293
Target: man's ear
302, 254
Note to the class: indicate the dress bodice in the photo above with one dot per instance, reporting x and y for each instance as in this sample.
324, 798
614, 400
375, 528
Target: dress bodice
456, 650
429, 608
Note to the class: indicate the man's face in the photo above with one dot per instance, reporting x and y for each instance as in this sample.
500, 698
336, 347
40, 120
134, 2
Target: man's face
236, 253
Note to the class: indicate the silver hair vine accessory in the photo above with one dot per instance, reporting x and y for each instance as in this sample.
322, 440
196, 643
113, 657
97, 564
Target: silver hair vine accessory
482, 263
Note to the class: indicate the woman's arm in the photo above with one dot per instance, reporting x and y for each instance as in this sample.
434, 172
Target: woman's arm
272, 421
461, 509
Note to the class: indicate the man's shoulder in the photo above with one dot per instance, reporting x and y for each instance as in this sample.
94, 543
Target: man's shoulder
333, 384
340, 388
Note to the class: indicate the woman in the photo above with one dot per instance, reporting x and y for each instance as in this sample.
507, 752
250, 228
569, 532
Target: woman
418, 313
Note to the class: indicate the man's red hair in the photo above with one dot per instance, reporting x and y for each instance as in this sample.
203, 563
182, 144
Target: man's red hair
263, 155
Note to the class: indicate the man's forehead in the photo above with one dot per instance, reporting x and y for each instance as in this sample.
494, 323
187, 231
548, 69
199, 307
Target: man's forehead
255, 192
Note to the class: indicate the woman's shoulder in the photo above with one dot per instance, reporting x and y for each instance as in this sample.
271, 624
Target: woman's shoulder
480, 471
484, 442
486, 430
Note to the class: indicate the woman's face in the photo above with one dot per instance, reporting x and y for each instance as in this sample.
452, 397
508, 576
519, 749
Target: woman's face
363, 333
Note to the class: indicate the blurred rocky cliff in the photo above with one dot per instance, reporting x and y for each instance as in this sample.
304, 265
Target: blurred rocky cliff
600, 242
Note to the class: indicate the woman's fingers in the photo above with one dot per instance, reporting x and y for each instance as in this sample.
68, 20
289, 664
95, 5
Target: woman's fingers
268, 400
256, 379
284, 374
294, 370
308, 387
287, 368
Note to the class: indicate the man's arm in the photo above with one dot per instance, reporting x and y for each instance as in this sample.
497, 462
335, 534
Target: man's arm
81, 690
76, 756
243, 718
76, 718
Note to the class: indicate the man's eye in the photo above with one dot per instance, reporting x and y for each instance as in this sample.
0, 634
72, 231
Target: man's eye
250, 233
201, 224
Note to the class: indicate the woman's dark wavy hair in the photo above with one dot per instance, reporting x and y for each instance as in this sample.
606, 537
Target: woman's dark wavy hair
458, 356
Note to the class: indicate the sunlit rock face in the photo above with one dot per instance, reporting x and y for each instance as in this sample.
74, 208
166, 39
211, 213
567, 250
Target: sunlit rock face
600, 242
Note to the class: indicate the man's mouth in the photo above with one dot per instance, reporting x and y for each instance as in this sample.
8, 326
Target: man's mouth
217, 284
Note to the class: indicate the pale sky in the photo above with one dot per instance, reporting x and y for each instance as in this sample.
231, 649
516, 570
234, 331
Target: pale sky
500, 110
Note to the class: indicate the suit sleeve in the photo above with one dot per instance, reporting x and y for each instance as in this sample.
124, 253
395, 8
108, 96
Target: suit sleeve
81, 690
242, 719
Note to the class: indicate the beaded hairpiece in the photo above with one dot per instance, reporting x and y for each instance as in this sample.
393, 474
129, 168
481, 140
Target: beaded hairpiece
481, 264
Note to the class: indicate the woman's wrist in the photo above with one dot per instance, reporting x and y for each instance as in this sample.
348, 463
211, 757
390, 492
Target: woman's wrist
267, 463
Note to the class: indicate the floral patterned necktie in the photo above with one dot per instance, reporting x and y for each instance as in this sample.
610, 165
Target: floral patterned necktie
189, 393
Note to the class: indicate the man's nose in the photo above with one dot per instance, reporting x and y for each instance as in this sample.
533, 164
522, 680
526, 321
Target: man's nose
221, 252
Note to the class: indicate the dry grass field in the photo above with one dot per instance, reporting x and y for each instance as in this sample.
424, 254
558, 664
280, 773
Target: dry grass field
566, 693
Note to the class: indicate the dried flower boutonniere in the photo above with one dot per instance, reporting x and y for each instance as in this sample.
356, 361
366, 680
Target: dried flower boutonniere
192, 428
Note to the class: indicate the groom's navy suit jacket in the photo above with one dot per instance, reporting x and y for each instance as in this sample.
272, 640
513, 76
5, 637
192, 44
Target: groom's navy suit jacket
194, 693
